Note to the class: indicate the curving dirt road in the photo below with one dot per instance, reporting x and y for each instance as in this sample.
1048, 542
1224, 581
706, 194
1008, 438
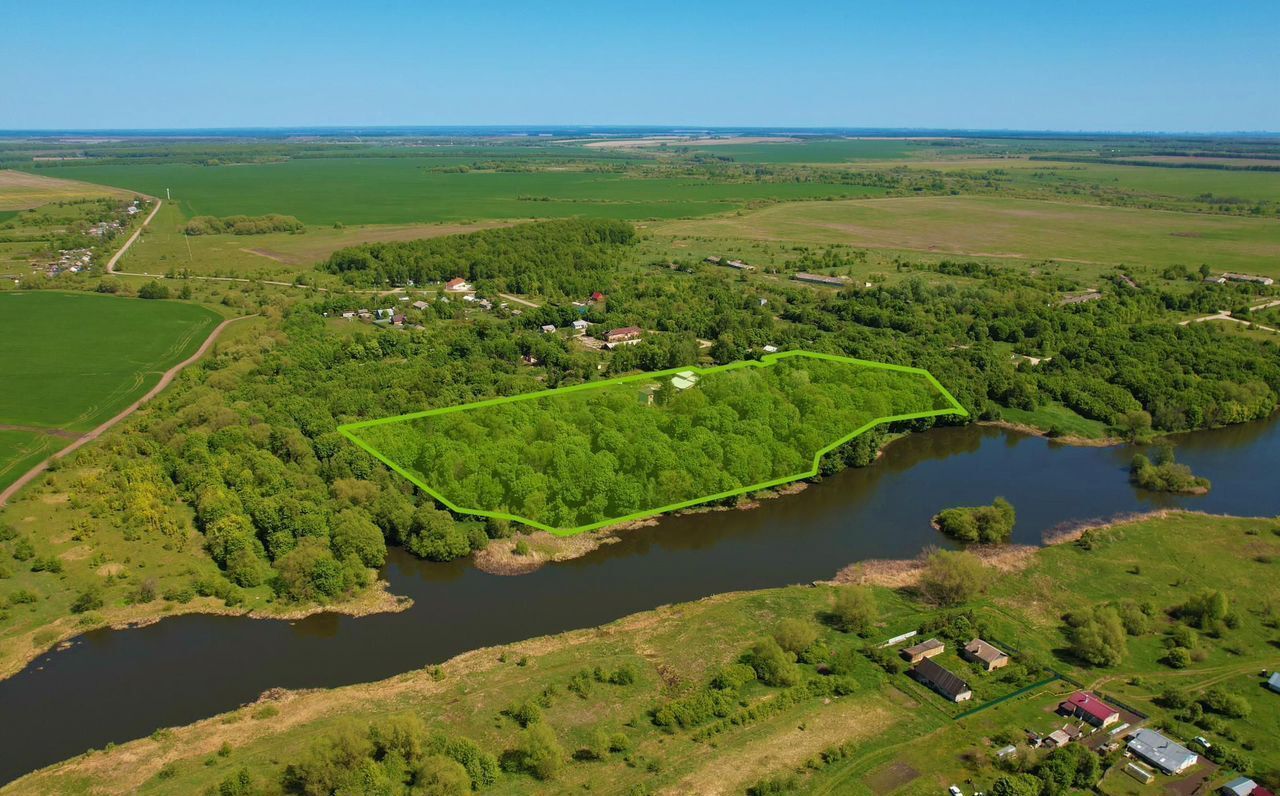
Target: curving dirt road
111, 264
164, 381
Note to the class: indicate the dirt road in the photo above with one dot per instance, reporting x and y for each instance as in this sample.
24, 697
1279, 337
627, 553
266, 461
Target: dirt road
165, 380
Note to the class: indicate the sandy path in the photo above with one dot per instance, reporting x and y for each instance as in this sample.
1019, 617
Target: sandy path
165, 380
111, 264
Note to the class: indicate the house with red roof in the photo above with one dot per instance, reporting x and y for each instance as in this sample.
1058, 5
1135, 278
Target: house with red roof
458, 285
1089, 708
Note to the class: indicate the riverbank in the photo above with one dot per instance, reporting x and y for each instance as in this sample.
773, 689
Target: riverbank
1065, 439
672, 650
60, 635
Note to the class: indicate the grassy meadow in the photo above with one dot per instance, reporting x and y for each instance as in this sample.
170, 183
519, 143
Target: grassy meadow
1017, 229
21, 190
887, 737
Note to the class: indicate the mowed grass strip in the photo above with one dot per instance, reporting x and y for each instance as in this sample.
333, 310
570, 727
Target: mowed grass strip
408, 190
70, 361
1010, 228
21, 450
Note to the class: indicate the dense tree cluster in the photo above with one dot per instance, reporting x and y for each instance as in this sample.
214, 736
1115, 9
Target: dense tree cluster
1164, 474
577, 458
554, 258
242, 225
987, 524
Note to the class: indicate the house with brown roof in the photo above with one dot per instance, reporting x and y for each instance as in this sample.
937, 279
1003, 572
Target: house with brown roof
458, 285
626, 334
925, 649
940, 679
985, 655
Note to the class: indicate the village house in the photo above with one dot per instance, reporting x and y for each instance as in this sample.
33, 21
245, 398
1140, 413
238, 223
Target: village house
925, 649
740, 265
548, 329
458, 285
349, 314
597, 296
1240, 786
623, 335
1274, 682
419, 305
397, 320
771, 349
985, 655
1168, 756
934, 675
580, 326
1089, 708
1055, 739
820, 279
684, 380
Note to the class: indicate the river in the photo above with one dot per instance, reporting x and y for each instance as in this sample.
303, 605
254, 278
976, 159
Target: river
119, 685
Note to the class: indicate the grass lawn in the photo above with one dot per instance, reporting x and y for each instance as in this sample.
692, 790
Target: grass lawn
1010, 229
1056, 415
406, 190
72, 360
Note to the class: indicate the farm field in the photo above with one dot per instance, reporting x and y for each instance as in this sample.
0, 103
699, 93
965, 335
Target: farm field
673, 439
1009, 228
277, 255
20, 190
880, 734
71, 361
406, 190
821, 151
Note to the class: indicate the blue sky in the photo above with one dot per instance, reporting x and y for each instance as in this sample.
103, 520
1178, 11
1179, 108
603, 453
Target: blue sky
1083, 65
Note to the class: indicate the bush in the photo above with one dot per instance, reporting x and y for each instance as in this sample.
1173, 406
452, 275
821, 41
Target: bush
773, 665
1097, 636
438, 775
795, 635
153, 290
540, 753
524, 714
953, 577
855, 610
90, 599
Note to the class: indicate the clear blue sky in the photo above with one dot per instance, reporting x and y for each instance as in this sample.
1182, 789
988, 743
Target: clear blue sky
1082, 65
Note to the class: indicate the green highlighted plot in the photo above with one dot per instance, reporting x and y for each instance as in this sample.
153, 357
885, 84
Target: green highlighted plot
583, 457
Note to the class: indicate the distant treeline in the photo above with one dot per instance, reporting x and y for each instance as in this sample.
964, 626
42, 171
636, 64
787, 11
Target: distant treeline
572, 258
1163, 164
242, 225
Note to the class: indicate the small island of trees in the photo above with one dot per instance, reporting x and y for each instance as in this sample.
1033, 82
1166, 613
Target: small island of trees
987, 524
1163, 474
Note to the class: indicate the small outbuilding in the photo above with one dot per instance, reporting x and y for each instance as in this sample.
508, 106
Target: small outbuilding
548, 329
984, 654
1274, 682
925, 649
1089, 708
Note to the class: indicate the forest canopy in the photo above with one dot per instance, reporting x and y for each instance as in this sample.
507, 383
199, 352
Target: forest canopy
554, 258
581, 458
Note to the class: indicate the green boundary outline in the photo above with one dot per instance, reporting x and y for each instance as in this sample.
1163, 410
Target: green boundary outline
768, 360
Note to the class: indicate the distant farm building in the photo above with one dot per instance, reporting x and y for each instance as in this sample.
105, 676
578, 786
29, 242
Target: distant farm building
982, 653
1090, 708
419, 305
942, 680
580, 326
1056, 739
1166, 755
1257, 280
1081, 298
1274, 682
548, 329
740, 265
458, 285
625, 334
925, 649
821, 279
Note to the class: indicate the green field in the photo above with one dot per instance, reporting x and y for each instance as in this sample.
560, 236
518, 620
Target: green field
551, 461
70, 361
405, 190
1010, 228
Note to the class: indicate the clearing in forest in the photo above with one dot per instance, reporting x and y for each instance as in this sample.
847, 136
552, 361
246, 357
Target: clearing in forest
582, 457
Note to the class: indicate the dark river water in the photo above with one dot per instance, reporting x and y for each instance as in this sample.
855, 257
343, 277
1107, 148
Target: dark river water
118, 685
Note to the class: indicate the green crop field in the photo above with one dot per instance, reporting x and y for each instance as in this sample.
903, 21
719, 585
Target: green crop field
582, 457
1010, 228
70, 361
405, 190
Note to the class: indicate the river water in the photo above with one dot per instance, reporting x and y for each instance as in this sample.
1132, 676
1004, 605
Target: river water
118, 685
